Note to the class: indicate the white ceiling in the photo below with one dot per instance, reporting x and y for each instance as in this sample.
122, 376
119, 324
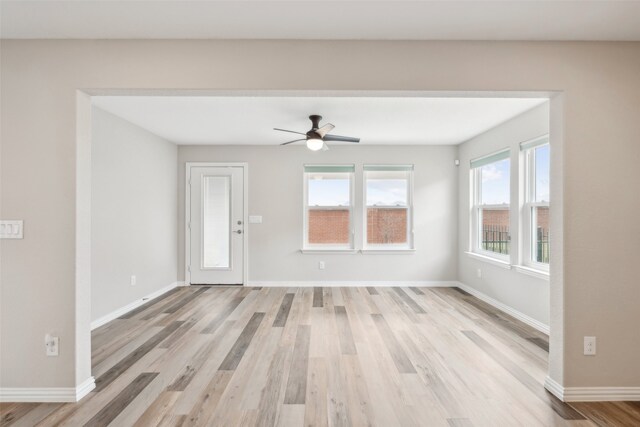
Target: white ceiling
312, 19
249, 120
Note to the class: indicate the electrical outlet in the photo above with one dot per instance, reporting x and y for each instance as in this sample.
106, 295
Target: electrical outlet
479, 273
321, 265
133, 280
589, 346
52, 345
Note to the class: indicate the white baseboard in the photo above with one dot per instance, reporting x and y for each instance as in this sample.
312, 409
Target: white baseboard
48, 394
554, 388
536, 324
135, 304
592, 394
352, 284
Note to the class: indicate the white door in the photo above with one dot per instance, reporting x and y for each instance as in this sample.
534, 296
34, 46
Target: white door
216, 226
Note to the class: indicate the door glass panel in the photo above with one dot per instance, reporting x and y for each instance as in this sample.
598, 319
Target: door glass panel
216, 221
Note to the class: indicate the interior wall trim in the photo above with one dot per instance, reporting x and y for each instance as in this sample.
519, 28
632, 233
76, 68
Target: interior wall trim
536, 324
131, 306
592, 394
48, 394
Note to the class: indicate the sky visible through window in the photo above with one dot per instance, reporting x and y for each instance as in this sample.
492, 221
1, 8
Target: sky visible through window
328, 192
335, 192
495, 183
542, 173
386, 192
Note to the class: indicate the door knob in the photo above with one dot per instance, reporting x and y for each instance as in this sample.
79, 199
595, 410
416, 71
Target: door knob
238, 231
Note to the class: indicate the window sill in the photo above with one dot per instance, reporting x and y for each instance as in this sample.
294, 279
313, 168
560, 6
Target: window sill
383, 251
540, 274
328, 251
498, 262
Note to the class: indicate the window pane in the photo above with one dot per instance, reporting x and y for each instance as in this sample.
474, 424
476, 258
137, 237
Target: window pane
329, 189
494, 235
541, 234
215, 222
387, 188
328, 226
542, 173
386, 225
494, 183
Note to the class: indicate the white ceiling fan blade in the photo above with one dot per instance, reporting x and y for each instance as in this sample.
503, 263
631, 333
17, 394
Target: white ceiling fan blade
325, 147
325, 130
290, 131
291, 142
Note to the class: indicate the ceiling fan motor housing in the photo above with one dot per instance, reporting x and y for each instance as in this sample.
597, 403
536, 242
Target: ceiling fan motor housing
315, 120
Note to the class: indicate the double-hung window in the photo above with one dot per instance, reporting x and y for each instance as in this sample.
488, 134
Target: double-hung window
328, 209
388, 207
535, 215
490, 178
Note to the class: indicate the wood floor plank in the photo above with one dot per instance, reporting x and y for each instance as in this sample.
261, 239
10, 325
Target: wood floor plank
561, 408
409, 301
272, 392
459, 422
12, 412
121, 401
345, 335
611, 414
234, 356
283, 311
108, 377
297, 382
207, 404
372, 290
416, 291
402, 362
222, 315
543, 344
317, 297
184, 301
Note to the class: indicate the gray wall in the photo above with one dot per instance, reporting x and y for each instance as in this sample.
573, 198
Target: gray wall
133, 213
276, 192
527, 294
593, 292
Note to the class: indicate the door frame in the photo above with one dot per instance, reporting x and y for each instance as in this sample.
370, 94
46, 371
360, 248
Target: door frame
245, 216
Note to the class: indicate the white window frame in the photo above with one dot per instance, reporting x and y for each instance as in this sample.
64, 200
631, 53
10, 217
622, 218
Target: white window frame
476, 207
409, 246
528, 249
327, 247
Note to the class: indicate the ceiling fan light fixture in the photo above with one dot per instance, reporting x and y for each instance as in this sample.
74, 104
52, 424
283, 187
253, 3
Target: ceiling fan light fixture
315, 144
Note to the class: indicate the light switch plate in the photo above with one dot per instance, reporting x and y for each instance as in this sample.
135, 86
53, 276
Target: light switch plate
11, 229
255, 219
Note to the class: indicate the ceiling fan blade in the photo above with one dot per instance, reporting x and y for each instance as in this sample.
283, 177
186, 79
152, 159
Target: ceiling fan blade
325, 147
291, 142
290, 131
340, 138
325, 130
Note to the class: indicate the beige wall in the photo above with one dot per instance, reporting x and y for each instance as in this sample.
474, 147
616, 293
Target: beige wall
599, 163
527, 294
276, 193
134, 211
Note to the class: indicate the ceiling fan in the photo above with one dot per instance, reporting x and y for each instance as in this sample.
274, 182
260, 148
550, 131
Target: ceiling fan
318, 136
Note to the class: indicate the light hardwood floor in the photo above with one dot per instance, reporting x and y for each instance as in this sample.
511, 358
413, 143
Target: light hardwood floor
227, 356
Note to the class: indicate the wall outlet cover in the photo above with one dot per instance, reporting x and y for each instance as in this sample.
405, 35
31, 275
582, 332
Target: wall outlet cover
589, 346
52, 344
